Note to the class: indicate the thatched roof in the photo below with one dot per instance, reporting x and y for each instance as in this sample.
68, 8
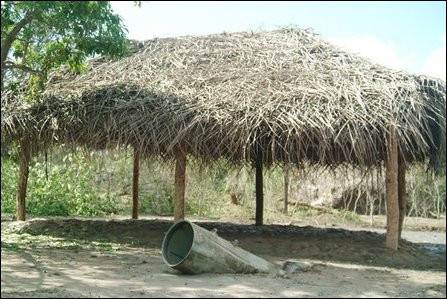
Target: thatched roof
299, 96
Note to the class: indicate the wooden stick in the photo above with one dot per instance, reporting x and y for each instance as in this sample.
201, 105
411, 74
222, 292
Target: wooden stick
286, 188
402, 198
136, 177
23, 178
179, 188
259, 186
392, 221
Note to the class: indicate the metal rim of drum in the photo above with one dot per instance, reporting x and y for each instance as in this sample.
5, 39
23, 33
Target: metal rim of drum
177, 245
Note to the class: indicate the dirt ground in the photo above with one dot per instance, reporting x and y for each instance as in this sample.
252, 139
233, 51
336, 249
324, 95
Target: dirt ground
73, 257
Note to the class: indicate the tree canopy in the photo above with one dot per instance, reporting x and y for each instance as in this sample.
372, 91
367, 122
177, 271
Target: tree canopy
40, 36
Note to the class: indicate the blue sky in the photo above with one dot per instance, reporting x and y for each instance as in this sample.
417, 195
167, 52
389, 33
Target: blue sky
404, 35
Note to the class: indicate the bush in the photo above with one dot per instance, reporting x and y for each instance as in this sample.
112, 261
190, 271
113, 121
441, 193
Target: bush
426, 193
9, 173
94, 183
69, 189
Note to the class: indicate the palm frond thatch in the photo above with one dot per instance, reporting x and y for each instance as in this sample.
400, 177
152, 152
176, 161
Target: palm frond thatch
288, 90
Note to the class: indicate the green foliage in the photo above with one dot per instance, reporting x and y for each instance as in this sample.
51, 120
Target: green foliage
158, 200
350, 215
9, 177
69, 189
40, 36
426, 193
99, 183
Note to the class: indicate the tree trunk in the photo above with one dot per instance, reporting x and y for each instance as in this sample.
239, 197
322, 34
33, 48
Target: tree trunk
9, 38
179, 188
259, 186
401, 192
392, 234
23, 178
136, 176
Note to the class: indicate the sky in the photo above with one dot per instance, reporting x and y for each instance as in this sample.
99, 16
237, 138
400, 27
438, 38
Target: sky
403, 35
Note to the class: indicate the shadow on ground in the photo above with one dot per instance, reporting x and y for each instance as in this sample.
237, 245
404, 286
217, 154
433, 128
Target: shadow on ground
282, 242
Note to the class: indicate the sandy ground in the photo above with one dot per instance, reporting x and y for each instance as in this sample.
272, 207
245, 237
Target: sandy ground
122, 258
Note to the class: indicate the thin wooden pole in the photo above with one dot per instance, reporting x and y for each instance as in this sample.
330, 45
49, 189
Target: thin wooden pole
392, 201
23, 178
286, 188
401, 192
136, 177
179, 188
259, 187
46, 164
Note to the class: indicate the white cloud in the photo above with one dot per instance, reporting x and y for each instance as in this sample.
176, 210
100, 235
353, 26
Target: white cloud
435, 64
384, 53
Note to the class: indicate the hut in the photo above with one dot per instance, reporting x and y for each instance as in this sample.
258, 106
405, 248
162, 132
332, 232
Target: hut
260, 97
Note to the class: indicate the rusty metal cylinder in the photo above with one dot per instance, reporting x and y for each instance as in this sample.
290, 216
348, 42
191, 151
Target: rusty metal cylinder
192, 249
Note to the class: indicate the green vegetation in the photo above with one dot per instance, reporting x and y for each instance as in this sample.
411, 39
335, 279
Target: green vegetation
427, 193
98, 183
17, 240
41, 36
69, 189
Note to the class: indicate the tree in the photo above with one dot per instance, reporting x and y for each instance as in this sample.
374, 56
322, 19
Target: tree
40, 36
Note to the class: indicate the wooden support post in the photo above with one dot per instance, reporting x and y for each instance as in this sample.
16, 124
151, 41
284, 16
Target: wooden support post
286, 188
135, 181
46, 164
402, 197
179, 188
259, 186
392, 202
23, 178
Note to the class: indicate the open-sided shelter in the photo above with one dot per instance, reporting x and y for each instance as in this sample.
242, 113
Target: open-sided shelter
263, 97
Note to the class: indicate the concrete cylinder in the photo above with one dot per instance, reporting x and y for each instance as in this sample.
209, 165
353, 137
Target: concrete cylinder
192, 249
